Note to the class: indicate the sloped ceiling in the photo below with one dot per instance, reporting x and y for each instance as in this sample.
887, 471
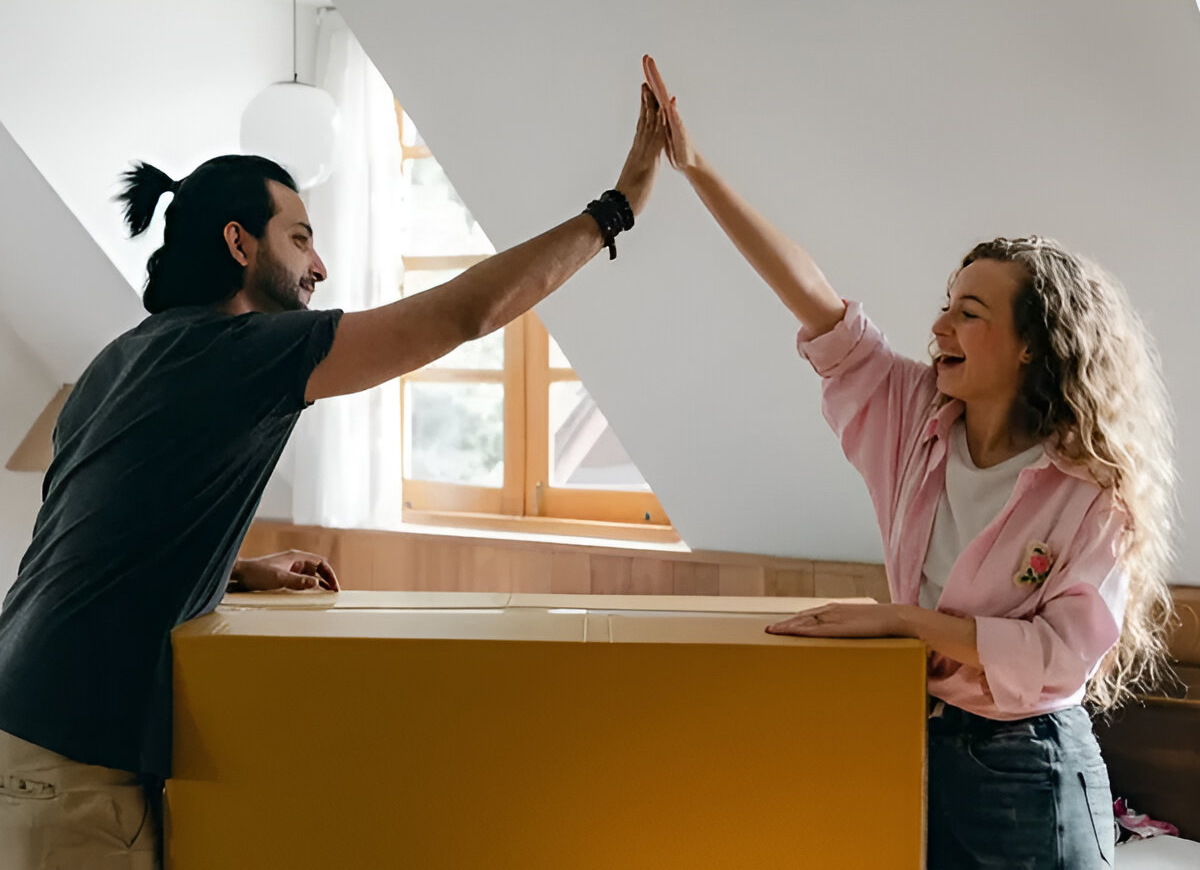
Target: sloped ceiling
886, 137
51, 270
88, 88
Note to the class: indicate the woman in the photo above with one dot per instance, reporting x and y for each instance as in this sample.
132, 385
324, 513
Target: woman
1023, 486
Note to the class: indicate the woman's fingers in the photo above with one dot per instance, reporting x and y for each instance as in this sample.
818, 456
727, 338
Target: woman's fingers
800, 627
655, 80
815, 620
657, 88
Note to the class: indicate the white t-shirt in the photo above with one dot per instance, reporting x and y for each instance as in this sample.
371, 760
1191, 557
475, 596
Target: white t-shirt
973, 497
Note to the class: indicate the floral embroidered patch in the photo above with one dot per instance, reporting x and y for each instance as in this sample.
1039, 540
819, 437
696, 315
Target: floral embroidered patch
1036, 565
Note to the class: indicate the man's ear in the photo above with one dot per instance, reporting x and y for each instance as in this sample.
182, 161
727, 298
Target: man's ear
1026, 357
235, 239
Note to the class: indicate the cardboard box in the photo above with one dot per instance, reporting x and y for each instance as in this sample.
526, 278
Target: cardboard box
562, 735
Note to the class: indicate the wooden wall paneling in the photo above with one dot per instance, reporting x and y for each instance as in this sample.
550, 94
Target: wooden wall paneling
311, 540
649, 575
874, 584
796, 582
612, 575
394, 563
431, 562
353, 558
692, 578
448, 567
425, 563
530, 570
837, 579
834, 585
570, 573
747, 580
490, 570
257, 541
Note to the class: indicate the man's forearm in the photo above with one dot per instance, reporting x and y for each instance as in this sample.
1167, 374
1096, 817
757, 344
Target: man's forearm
508, 284
374, 346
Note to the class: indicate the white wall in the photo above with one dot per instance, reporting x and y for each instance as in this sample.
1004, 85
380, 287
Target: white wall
61, 300
57, 289
887, 137
90, 87
26, 386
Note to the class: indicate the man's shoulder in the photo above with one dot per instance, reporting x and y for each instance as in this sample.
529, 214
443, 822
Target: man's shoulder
169, 337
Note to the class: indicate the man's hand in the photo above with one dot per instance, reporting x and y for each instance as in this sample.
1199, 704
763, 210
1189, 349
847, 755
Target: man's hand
292, 569
641, 166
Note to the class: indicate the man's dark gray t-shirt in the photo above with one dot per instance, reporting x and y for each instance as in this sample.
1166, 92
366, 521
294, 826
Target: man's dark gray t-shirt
161, 455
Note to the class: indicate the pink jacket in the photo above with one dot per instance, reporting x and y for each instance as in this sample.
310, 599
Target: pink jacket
1044, 619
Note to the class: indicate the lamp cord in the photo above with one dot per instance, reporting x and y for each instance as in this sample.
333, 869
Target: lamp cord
295, 75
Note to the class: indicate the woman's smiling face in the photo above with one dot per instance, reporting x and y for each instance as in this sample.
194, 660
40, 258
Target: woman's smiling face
979, 356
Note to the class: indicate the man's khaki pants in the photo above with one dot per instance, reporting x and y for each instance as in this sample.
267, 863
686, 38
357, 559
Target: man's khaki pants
58, 814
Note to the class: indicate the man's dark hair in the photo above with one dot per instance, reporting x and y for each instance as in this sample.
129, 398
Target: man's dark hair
193, 266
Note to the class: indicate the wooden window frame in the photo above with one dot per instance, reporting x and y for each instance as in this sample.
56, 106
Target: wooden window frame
526, 501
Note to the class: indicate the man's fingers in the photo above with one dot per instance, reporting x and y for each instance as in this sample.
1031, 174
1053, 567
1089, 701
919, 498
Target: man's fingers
304, 555
328, 577
292, 580
318, 568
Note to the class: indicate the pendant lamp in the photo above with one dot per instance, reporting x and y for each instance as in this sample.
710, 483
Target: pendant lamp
294, 124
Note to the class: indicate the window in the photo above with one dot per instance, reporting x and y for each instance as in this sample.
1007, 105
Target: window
501, 432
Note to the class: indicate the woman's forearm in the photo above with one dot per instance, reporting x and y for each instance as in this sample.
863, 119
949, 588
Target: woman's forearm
951, 636
784, 265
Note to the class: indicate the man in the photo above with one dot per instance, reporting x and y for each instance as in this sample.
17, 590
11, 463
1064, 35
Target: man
161, 455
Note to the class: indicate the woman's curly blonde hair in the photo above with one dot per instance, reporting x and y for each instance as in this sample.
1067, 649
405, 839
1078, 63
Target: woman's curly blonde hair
1095, 388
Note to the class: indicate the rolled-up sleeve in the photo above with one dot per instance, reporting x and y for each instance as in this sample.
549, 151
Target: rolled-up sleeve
1057, 650
873, 398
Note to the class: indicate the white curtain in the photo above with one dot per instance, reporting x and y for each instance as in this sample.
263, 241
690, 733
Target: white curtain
347, 470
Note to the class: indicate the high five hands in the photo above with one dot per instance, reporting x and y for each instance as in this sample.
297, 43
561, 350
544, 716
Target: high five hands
680, 151
641, 166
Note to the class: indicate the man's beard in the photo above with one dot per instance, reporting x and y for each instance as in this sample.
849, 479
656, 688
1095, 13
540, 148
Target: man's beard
277, 285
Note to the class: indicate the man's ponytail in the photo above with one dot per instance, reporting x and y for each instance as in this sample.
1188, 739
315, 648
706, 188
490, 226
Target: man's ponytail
144, 185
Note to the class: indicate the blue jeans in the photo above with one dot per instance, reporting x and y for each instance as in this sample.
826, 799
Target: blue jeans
1023, 795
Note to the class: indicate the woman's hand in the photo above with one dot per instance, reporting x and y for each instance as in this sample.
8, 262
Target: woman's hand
950, 636
680, 151
641, 166
292, 569
844, 620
